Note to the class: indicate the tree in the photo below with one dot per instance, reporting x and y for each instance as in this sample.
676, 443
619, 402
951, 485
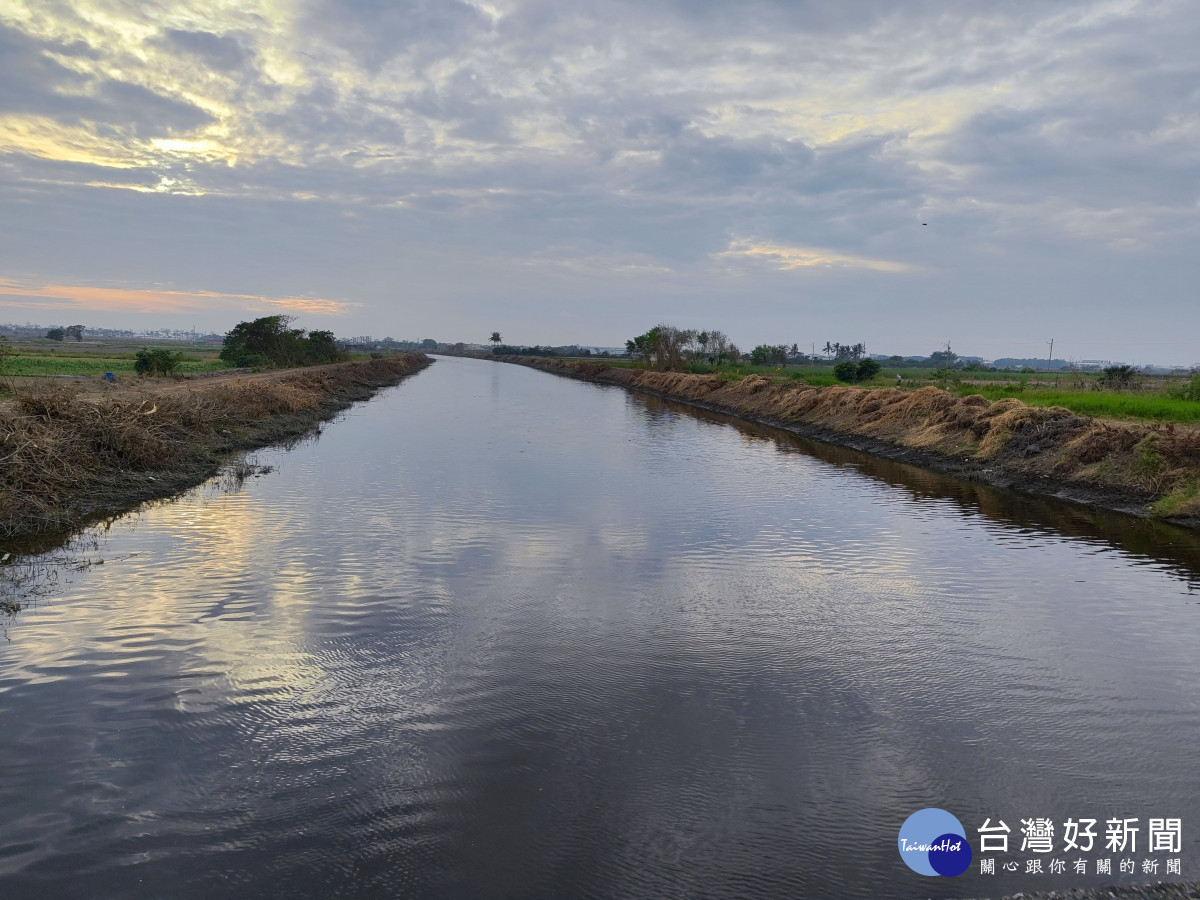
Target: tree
867, 369
944, 359
495, 339
270, 341
1119, 376
663, 345
642, 347
56, 334
840, 352
265, 341
760, 355
322, 347
74, 332
769, 355
718, 348
846, 371
673, 343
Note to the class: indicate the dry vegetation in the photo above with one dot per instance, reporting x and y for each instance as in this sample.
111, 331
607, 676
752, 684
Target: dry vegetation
1145, 468
67, 456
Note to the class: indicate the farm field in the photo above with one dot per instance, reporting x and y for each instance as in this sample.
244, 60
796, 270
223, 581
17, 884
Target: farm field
42, 358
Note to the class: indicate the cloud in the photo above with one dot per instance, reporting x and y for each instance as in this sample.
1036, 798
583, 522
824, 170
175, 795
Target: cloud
374, 32
33, 82
218, 50
790, 258
90, 298
348, 148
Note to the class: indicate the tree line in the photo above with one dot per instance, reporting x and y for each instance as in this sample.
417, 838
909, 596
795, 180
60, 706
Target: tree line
272, 342
74, 332
666, 347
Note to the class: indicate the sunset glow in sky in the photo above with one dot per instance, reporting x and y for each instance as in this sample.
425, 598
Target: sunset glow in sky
994, 174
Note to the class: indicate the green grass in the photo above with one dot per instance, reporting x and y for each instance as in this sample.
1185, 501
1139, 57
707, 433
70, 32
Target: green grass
1153, 407
1183, 495
94, 365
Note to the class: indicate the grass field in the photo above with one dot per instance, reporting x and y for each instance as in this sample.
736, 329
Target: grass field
1152, 407
95, 365
93, 358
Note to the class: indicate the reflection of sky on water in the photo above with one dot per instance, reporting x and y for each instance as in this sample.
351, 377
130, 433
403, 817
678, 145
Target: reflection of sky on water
502, 631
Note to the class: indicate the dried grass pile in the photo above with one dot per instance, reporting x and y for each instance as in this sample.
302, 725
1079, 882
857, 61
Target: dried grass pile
66, 454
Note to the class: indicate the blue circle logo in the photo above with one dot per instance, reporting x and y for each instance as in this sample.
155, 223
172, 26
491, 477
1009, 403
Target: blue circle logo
933, 842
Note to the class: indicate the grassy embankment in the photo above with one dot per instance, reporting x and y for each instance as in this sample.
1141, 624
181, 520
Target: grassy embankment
71, 453
1151, 399
1146, 467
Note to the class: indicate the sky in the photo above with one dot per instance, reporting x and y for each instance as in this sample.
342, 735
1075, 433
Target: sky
990, 173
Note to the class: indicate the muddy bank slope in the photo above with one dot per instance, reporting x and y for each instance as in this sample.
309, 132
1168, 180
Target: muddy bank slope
1142, 469
70, 456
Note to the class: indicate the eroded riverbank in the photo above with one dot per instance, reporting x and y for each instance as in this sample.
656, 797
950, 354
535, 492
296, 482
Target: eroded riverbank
1140, 469
71, 457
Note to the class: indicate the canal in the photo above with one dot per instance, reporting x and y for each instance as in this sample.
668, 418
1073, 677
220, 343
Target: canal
497, 633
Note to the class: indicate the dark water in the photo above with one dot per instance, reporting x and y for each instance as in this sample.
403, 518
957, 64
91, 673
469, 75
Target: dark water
501, 634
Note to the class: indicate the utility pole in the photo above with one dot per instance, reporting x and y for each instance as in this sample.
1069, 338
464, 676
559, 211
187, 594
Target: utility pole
1050, 361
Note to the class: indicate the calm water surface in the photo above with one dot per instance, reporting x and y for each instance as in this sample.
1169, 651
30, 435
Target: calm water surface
502, 634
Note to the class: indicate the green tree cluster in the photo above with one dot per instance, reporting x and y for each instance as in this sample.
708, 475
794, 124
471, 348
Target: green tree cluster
1119, 376
845, 352
944, 359
668, 348
851, 372
270, 341
156, 362
770, 355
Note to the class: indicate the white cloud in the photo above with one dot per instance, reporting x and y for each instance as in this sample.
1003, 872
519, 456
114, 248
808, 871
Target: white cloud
353, 146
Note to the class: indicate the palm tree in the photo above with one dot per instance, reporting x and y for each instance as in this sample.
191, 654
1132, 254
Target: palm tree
495, 338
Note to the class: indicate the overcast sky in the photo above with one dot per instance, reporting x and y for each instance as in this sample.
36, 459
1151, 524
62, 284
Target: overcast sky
571, 171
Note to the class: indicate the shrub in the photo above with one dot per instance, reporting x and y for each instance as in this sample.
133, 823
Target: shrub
156, 362
868, 369
1118, 377
846, 371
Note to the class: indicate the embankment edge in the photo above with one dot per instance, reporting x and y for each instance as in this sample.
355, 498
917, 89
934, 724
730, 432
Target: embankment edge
1007, 470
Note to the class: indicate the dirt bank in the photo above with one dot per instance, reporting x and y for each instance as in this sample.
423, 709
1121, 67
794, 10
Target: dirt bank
72, 454
1141, 469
